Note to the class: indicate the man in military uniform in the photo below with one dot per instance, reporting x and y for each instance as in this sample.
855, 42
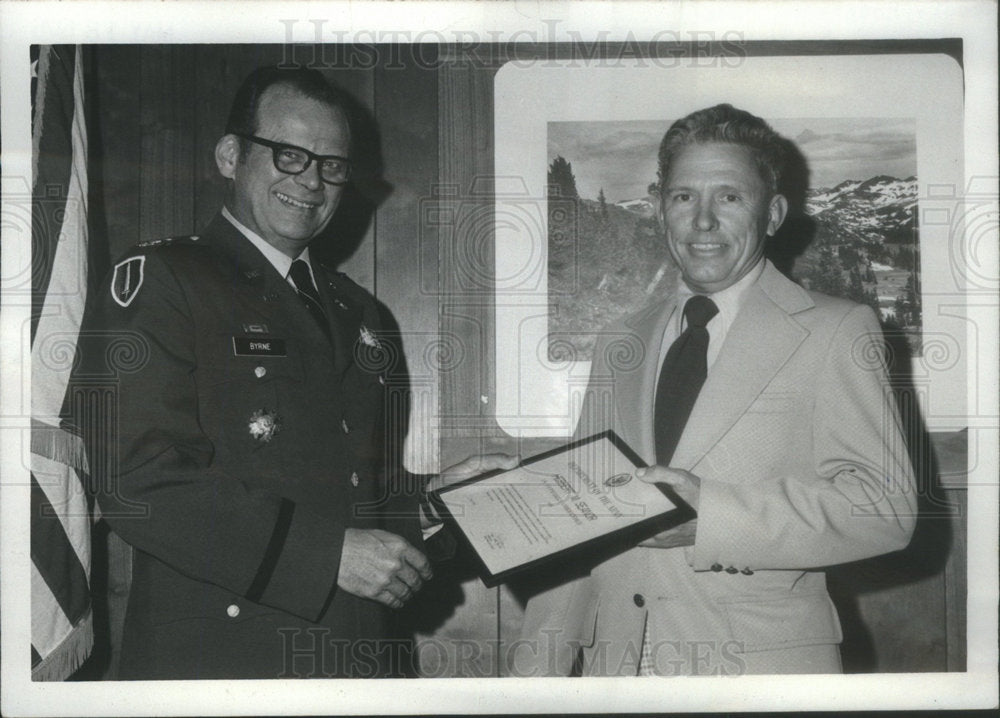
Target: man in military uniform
242, 458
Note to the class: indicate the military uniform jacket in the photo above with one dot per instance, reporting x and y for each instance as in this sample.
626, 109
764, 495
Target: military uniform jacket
233, 444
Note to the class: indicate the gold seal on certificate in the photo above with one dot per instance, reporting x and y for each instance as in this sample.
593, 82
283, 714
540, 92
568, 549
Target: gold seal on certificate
558, 502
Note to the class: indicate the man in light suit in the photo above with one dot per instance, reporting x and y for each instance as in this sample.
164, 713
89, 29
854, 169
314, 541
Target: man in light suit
791, 453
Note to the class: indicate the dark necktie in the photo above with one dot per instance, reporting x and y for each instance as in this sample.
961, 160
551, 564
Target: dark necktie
302, 279
684, 371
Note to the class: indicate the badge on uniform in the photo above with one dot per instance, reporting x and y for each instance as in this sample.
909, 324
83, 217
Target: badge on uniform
264, 425
369, 339
127, 279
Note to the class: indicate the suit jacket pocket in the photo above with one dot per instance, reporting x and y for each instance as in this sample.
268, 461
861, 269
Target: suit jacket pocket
232, 612
775, 402
227, 357
770, 623
245, 399
568, 612
755, 447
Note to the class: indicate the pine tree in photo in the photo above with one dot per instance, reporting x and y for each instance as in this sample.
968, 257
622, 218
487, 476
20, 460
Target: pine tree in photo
561, 181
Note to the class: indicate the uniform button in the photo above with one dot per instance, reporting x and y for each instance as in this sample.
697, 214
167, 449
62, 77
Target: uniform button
716, 567
747, 572
344, 426
233, 610
639, 600
732, 569
259, 372
354, 478
381, 380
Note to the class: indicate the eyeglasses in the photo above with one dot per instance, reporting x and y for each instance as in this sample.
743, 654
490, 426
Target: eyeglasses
292, 160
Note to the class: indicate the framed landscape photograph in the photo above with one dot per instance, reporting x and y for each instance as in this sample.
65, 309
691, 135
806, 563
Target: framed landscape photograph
869, 171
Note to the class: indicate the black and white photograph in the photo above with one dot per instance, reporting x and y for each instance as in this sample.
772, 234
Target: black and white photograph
449, 357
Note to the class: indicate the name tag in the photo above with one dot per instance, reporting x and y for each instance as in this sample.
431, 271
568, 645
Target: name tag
252, 347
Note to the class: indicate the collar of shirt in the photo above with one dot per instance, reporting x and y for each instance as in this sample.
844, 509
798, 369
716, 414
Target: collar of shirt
729, 301
278, 259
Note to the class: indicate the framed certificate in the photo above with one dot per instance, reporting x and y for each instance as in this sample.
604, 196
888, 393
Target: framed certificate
558, 503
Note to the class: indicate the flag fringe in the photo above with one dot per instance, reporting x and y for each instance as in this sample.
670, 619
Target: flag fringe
57, 444
69, 655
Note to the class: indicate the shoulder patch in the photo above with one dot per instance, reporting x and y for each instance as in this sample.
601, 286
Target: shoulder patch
126, 280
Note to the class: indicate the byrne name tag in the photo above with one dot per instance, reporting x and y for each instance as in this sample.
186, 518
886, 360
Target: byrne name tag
258, 347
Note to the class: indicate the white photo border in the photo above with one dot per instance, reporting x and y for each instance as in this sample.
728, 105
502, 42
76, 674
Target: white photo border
22, 24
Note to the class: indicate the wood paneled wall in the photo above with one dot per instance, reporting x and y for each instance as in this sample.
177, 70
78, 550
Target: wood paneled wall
425, 131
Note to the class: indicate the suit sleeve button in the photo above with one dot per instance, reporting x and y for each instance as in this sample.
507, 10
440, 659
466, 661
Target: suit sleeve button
747, 572
233, 610
732, 569
639, 600
716, 567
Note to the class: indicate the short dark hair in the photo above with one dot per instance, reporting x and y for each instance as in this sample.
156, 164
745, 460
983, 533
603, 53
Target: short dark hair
725, 123
308, 83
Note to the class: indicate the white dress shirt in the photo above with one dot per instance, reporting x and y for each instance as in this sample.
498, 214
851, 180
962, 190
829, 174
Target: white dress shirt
278, 259
729, 301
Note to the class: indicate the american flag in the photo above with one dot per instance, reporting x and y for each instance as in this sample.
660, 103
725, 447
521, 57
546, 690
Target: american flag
61, 616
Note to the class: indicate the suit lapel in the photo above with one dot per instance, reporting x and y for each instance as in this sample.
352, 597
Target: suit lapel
760, 341
634, 394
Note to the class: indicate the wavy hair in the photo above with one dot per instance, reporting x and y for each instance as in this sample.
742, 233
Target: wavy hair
725, 123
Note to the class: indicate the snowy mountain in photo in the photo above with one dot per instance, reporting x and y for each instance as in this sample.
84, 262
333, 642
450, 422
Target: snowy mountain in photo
878, 209
642, 206
874, 209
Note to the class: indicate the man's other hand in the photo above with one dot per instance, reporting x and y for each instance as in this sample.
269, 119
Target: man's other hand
472, 466
688, 487
686, 484
381, 566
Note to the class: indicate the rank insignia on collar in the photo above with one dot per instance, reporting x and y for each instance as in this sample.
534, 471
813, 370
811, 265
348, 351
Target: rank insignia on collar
127, 279
369, 339
167, 240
